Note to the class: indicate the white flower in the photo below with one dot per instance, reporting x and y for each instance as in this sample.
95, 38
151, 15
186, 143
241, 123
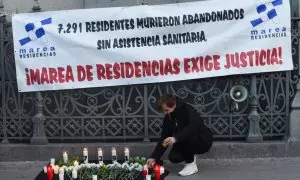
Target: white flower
99, 165
139, 168
65, 168
70, 168
80, 166
123, 165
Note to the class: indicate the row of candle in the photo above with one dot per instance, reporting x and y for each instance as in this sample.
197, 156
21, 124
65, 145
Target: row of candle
100, 155
52, 168
56, 169
157, 169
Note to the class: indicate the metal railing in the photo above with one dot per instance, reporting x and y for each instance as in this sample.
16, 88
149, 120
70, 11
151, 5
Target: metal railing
128, 113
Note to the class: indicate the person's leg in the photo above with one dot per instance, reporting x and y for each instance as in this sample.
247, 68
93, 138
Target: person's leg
175, 155
182, 151
188, 153
202, 147
187, 150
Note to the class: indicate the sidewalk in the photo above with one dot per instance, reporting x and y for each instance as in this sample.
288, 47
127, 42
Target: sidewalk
243, 169
210, 169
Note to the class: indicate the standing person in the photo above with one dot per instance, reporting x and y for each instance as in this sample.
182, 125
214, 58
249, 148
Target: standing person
185, 130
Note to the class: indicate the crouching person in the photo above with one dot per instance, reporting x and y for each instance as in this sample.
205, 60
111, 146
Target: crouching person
185, 131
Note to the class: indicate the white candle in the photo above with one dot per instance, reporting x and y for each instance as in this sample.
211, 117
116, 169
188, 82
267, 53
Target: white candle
100, 152
162, 170
61, 173
45, 169
74, 173
52, 162
61, 176
85, 155
114, 154
56, 169
76, 164
61, 170
95, 177
126, 153
65, 157
146, 168
100, 156
148, 177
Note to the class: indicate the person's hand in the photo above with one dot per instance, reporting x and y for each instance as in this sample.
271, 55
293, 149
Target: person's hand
169, 141
150, 162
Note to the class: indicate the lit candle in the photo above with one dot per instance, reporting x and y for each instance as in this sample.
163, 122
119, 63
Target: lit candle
126, 154
162, 170
61, 173
74, 173
156, 172
114, 154
61, 170
100, 156
56, 169
65, 157
52, 162
94, 177
145, 170
45, 169
76, 164
49, 172
85, 155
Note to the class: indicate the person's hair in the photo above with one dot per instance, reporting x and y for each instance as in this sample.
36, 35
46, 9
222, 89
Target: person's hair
169, 100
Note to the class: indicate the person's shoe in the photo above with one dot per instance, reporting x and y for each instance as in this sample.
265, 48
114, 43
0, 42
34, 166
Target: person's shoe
189, 169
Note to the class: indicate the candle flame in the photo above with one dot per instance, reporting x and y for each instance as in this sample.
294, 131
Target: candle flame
76, 163
61, 170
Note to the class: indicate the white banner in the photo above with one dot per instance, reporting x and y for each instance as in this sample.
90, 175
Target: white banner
148, 44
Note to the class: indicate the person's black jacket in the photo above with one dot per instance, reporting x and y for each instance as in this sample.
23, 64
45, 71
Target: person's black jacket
185, 124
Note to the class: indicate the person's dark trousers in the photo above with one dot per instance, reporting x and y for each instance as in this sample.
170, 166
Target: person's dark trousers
182, 152
185, 151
